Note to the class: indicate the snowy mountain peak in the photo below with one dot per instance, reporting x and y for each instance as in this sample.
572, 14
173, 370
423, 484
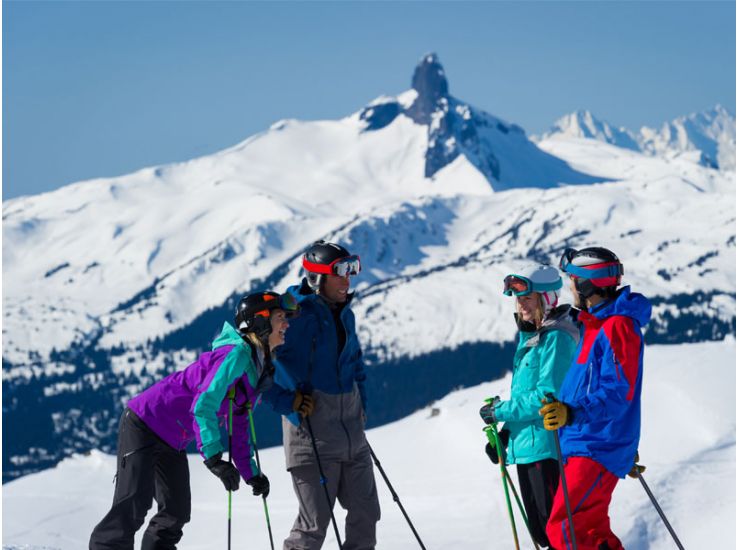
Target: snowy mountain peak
429, 81
582, 124
710, 135
500, 151
707, 137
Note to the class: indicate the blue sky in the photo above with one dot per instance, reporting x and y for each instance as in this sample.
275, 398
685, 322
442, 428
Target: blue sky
98, 89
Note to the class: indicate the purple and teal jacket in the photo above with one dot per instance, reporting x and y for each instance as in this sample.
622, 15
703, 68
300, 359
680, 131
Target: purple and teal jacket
192, 404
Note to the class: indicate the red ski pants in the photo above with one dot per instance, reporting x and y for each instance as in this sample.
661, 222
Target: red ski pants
590, 490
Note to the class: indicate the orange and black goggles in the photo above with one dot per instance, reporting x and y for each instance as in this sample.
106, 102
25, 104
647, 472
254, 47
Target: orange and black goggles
286, 302
349, 265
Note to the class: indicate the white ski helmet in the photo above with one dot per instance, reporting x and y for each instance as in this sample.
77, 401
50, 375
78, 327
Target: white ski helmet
543, 279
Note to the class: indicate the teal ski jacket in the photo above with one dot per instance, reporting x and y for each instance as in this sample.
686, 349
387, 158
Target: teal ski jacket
541, 361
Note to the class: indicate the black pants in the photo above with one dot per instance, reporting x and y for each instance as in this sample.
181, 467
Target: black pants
148, 468
538, 484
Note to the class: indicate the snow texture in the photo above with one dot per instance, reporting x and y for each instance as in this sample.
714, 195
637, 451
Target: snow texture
436, 462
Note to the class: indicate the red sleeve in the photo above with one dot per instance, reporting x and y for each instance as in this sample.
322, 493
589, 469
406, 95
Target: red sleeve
625, 342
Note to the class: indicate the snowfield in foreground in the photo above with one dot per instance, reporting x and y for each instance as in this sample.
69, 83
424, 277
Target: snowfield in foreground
436, 462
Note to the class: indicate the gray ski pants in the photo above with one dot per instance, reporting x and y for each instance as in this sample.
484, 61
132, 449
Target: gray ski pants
353, 483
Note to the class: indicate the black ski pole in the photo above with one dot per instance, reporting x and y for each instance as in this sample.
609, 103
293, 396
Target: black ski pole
394, 495
258, 465
660, 511
323, 481
563, 482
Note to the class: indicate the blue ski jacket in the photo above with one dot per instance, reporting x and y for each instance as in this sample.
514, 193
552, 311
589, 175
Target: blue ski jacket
309, 355
603, 385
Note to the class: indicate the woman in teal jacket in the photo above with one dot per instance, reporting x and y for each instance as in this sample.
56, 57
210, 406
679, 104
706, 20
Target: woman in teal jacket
548, 338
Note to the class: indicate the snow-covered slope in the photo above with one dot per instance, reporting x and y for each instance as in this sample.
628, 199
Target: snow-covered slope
110, 284
435, 461
707, 138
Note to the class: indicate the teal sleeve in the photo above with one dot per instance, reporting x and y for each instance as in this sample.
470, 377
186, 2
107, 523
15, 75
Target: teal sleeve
556, 355
205, 409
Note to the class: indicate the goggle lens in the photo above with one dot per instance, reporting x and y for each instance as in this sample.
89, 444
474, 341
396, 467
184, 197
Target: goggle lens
516, 285
289, 304
347, 266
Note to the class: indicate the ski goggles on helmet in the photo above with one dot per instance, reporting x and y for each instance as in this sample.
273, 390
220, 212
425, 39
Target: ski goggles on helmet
349, 265
286, 302
602, 270
517, 285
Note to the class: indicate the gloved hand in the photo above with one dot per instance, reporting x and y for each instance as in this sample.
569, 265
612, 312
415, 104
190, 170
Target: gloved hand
303, 403
487, 412
492, 451
260, 485
555, 415
637, 468
226, 471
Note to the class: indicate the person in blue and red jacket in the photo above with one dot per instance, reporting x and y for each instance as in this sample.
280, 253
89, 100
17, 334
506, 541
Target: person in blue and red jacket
598, 412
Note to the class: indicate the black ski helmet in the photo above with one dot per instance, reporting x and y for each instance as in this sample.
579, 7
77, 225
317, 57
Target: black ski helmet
321, 253
254, 310
595, 270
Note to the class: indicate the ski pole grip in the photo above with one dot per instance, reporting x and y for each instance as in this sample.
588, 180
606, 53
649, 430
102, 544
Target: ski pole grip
551, 397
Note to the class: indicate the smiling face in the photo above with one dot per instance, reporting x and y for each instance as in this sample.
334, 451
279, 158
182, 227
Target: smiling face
335, 289
280, 324
529, 308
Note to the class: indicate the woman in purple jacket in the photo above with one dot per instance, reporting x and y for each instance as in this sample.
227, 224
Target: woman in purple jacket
193, 404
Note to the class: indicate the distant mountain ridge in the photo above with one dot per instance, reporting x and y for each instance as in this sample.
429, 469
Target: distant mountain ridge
111, 284
707, 137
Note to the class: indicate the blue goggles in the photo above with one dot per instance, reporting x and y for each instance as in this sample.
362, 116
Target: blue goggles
608, 270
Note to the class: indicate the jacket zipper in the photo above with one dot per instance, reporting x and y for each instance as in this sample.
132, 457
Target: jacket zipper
340, 386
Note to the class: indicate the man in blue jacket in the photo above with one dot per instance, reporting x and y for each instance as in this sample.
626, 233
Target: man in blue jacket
322, 354
599, 408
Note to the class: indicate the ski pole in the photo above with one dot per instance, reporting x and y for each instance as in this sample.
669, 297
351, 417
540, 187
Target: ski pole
395, 497
258, 465
323, 481
660, 511
230, 460
494, 439
520, 507
563, 482
490, 436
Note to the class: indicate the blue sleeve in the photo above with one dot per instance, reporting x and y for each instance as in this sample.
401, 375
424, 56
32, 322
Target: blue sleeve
293, 357
279, 398
292, 364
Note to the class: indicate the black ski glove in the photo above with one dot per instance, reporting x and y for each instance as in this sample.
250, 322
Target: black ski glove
492, 452
226, 471
487, 412
260, 485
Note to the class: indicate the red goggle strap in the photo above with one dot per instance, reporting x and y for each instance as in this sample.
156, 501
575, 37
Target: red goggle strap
317, 268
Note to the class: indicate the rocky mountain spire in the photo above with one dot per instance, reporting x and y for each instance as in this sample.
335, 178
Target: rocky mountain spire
429, 80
